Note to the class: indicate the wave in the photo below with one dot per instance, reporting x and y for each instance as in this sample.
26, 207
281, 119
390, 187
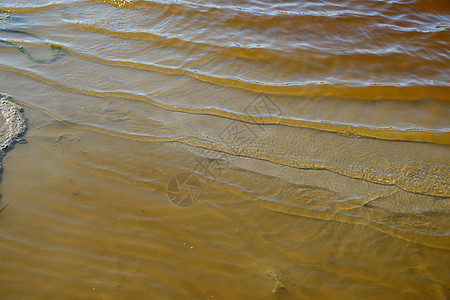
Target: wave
415, 167
440, 136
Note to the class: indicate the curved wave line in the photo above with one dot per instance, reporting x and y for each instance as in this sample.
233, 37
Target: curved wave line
344, 129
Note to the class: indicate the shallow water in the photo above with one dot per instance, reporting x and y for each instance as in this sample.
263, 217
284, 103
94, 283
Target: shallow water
227, 150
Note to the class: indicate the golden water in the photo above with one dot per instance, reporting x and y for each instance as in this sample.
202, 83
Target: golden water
309, 142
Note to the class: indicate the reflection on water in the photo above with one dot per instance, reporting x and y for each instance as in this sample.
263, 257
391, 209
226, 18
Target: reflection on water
227, 150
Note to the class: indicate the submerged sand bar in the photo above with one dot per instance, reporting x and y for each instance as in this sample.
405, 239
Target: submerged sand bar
12, 123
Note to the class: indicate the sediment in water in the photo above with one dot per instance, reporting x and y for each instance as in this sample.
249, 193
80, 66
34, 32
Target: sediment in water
12, 124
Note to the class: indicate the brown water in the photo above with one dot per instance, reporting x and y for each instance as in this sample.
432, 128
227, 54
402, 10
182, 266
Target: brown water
227, 149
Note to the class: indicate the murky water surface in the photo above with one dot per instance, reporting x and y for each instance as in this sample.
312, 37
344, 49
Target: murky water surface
235, 149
